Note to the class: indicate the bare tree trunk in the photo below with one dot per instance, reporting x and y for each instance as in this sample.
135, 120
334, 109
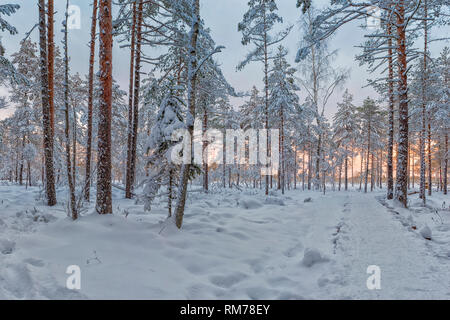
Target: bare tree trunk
390, 159
51, 63
368, 155
445, 162
361, 170
372, 176
170, 193
430, 163
283, 173
205, 155
70, 177
224, 166
21, 162
266, 100
46, 117
309, 160
346, 169
104, 199
353, 156
87, 183
303, 168
401, 192
74, 146
295, 168
137, 84
192, 90
128, 183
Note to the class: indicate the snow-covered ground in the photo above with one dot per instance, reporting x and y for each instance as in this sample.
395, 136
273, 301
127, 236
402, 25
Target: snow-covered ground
234, 245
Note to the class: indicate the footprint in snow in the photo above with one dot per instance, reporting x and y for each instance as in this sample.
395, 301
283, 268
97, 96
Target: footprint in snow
227, 281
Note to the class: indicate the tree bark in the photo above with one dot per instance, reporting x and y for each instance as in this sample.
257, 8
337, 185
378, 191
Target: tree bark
70, 174
137, 84
128, 183
445, 162
346, 169
205, 155
46, 117
390, 160
430, 163
368, 156
51, 63
104, 198
87, 183
401, 190
192, 90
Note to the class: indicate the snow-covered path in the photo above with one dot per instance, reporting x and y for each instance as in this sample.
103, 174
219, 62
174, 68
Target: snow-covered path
234, 245
408, 268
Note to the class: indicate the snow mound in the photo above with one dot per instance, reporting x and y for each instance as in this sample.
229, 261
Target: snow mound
426, 232
250, 204
312, 257
7, 246
274, 201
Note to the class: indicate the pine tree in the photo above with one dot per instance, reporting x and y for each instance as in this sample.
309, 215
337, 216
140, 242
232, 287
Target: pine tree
346, 128
319, 79
370, 116
283, 102
163, 171
256, 26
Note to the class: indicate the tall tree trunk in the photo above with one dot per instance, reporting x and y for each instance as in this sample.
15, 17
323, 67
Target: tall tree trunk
21, 162
401, 190
46, 118
74, 144
87, 183
295, 168
353, 156
70, 177
368, 155
283, 169
346, 169
390, 159
170, 193
373, 173
51, 63
192, 90
137, 84
224, 166
128, 183
303, 167
445, 173
430, 163
361, 175
205, 155
424, 104
266, 97
104, 199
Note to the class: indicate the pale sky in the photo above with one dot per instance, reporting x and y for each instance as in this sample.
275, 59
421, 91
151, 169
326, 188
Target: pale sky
222, 17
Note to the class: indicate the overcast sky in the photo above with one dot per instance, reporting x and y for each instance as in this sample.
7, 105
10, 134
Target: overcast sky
222, 17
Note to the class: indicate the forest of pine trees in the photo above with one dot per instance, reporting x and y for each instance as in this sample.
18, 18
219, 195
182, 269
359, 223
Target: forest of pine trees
86, 133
